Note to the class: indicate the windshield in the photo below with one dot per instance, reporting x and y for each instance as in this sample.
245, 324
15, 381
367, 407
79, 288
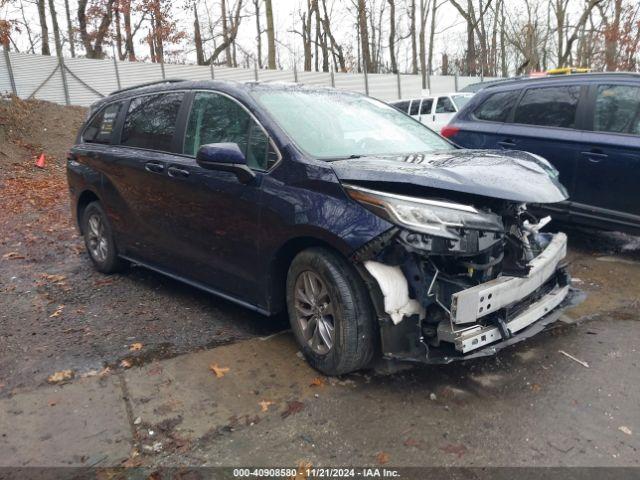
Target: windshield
461, 100
330, 124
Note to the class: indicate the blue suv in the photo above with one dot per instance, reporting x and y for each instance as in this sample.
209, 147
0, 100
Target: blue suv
587, 126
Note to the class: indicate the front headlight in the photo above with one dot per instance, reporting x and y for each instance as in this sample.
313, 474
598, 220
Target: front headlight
434, 217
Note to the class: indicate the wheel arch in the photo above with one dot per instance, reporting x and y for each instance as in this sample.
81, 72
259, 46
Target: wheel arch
279, 266
84, 199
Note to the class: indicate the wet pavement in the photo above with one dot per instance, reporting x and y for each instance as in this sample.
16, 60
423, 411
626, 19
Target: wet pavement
529, 405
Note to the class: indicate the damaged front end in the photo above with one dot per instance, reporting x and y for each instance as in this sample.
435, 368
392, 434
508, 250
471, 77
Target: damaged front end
453, 281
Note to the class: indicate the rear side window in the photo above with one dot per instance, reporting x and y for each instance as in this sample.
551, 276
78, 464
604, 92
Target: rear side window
617, 109
497, 107
100, 130
445, 105
218, 119
402, 106
425, 109
549, 107
415, 107
151, 121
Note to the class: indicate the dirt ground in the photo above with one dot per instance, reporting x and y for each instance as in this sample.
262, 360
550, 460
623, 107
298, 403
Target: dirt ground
143, 344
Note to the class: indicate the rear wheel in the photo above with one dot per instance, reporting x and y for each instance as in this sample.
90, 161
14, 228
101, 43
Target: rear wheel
330, 312
98, 238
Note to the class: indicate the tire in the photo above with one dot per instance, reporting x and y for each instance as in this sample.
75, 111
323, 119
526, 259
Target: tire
349, 310
99, 240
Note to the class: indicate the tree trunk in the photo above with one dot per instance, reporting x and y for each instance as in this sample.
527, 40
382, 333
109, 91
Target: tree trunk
271, 36
256, 4
56, 29
336, 48
118, 30
156, 20
392, 36
412, 33
363, 31
126, 13
43, 27
225, 33
72, 43
611, 36
197, 37
503, 42
432, 33
472, 59
424, 14
94, 49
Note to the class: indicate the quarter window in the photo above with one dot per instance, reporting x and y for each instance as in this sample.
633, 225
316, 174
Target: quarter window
402, 106
549, 107
617, 109
497, 107
216, 118
445, 105
100, 130
151, 121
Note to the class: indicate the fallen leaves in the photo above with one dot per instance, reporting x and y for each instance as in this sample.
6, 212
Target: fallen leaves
126, 363
55, 279
411, 442
625, 430
382, 458
219, 371
13, 256
317, 382
135, 347
455, 449
57, 312
61, 376
293, 407
264, 405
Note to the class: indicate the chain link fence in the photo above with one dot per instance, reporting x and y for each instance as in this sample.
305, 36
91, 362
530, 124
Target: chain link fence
82, 81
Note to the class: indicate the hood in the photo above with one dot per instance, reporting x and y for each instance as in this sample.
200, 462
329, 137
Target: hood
516, 176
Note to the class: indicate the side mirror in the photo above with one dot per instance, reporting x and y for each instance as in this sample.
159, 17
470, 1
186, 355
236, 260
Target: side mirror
226, 157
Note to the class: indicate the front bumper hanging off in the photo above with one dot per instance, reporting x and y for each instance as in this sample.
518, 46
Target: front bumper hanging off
490, 316
473, 304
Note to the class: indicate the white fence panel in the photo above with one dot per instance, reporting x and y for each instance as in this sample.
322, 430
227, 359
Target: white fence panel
88, 79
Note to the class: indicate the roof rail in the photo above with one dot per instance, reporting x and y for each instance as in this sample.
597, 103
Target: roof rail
148, 84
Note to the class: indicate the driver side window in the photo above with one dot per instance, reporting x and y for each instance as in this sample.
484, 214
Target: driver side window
215, 118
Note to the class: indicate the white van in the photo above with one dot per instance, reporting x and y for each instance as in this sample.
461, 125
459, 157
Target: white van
434, 111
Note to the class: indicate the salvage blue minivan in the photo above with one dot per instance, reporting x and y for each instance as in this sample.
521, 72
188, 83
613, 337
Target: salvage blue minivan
586, 125
377, 236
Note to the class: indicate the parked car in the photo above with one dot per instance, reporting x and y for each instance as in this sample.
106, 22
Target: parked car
435, 111
375, 234
586, 125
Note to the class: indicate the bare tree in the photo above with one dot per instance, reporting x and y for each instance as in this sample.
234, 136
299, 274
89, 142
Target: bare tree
93, 41
230, 28
197, 36
271, 36
256, 7
44, 29
336, 48
56, 29
566, 40
70, 34
363, 31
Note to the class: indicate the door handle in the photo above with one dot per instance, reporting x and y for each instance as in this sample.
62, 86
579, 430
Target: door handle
155, 167
177, 172
595, 156
507, 143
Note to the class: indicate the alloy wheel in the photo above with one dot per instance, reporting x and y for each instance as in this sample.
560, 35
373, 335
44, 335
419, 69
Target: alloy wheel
314, 312
96, 239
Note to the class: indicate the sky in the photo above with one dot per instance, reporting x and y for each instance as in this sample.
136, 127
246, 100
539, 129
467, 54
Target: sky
449, 26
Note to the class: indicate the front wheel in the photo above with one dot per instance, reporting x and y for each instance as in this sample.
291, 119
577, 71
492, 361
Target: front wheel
330, 312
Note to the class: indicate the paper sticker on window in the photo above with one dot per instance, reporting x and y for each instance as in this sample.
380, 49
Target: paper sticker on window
107, 122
